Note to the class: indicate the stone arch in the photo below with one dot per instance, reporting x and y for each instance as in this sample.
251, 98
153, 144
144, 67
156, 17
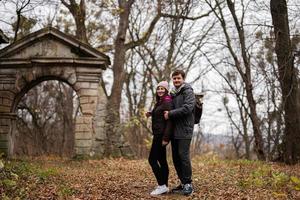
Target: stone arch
23, 65
24, 88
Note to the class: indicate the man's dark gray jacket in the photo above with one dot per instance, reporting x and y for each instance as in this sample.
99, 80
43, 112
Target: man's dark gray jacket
183, 114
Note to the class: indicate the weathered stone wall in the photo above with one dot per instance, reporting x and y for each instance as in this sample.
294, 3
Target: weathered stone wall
49, 54
85, 130
6, 122
99, 124
7, 94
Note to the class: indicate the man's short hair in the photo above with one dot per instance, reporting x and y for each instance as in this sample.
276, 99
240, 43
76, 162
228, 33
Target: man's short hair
179, 72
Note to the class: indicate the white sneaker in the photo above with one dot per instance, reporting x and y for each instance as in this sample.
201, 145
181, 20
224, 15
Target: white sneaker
161, 189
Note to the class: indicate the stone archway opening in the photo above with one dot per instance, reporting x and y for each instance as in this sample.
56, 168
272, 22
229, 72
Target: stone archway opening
45, 119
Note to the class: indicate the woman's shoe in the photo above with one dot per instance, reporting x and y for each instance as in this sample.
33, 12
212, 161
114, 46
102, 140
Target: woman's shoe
161, 189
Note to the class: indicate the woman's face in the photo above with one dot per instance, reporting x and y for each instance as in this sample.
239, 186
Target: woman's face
160, 91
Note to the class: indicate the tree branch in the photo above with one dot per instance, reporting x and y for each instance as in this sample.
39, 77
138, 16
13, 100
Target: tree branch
145, 38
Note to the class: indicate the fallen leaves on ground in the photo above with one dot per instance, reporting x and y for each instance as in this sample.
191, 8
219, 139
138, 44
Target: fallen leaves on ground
56, 178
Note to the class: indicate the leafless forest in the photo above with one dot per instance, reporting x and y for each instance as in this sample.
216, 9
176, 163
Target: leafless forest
243, 55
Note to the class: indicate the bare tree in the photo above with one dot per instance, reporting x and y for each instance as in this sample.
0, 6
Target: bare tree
242, 63
288, 78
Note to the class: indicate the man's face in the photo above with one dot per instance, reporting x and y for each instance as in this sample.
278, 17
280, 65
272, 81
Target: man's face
177, 80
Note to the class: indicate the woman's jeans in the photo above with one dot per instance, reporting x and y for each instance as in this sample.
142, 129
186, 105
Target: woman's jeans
158, 161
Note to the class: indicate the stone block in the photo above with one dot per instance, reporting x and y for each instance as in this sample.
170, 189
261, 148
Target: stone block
88, 112
89, 106
84, 100
82, 150
83, 120
3, 145
83, 143
56, 71
7, 94
88, 120
4, 121
68, 71
85, 85
93, 99
3, 137
101, 107
88, 92
99, 147
8, 71
83, 128
6, 102
4, 130
88, 70
100, 135
94, 85
88, 78
4, 109
79, 120
83, 135
8, 86
100, 123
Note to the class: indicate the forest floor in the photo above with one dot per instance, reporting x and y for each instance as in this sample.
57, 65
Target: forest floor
213, 178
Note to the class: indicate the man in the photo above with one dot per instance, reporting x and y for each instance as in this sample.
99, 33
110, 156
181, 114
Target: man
183, 117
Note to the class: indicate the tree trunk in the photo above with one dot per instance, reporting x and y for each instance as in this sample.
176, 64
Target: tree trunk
114, 136
288, 81
79, 13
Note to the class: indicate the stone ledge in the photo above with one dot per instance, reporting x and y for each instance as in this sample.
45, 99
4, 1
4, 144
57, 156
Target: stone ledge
83, 135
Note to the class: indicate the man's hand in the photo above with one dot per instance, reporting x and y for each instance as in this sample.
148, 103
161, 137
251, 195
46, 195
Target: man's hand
164, 143
148, 114
166, 115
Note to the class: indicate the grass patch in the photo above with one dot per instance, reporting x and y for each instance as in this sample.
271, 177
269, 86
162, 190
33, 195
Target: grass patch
43, 174
66, 191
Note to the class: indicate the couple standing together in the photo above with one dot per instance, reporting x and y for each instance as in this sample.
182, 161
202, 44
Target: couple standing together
172, 120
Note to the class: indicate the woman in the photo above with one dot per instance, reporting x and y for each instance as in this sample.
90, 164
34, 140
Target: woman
161, 129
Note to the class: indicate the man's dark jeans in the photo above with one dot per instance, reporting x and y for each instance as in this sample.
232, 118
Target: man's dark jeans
158, 161
181, 159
